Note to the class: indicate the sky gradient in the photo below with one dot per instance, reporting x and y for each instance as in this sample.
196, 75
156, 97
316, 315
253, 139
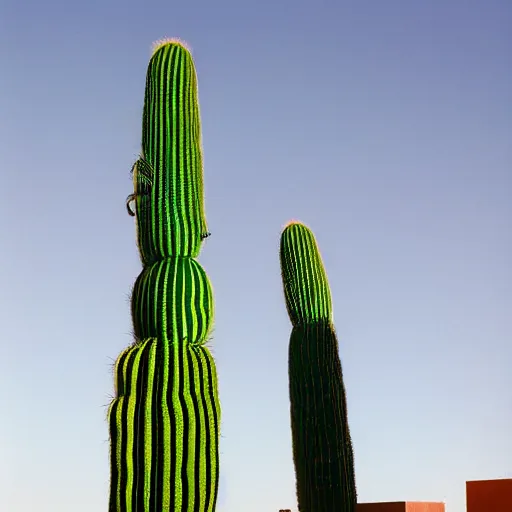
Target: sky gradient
384, 126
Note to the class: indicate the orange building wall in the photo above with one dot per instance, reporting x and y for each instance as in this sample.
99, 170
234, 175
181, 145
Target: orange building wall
418, 506
401, 506
489, 495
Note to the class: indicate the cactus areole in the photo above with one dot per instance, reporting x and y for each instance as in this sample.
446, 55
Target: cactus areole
165, 417
322, 447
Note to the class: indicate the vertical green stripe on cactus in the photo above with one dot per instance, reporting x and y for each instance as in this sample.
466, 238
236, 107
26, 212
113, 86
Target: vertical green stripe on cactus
165, 418
168, 177
322, 446
307, 293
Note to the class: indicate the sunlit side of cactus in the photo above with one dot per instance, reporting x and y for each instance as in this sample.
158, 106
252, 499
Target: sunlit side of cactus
164, 420
322, 446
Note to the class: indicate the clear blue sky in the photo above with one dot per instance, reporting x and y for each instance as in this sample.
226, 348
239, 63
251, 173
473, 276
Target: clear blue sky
386, 126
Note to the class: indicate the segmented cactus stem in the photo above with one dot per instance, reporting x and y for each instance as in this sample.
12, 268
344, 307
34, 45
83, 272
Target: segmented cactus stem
165, 418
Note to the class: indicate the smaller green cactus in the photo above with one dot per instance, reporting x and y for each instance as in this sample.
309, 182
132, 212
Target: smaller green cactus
322, 446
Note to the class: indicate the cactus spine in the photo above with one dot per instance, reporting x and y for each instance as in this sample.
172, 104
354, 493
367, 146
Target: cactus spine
165, 417
322, 447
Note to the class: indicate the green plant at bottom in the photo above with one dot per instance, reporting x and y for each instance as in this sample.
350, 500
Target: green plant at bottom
322, 447
165, 417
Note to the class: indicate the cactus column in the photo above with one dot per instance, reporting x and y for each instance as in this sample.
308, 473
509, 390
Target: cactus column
322, 447
165, 416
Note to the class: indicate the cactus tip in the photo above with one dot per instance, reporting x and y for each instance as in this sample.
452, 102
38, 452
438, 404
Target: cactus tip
293, 222
297, 224
169, 40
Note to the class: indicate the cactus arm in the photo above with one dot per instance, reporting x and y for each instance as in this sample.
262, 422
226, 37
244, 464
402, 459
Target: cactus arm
322, 446
165, 418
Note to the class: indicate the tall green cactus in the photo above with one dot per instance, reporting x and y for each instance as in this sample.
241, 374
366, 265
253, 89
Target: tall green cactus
322, 447
164, 420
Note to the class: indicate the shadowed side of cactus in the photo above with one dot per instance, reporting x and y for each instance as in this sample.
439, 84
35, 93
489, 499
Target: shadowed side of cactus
322, 447
164, 420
